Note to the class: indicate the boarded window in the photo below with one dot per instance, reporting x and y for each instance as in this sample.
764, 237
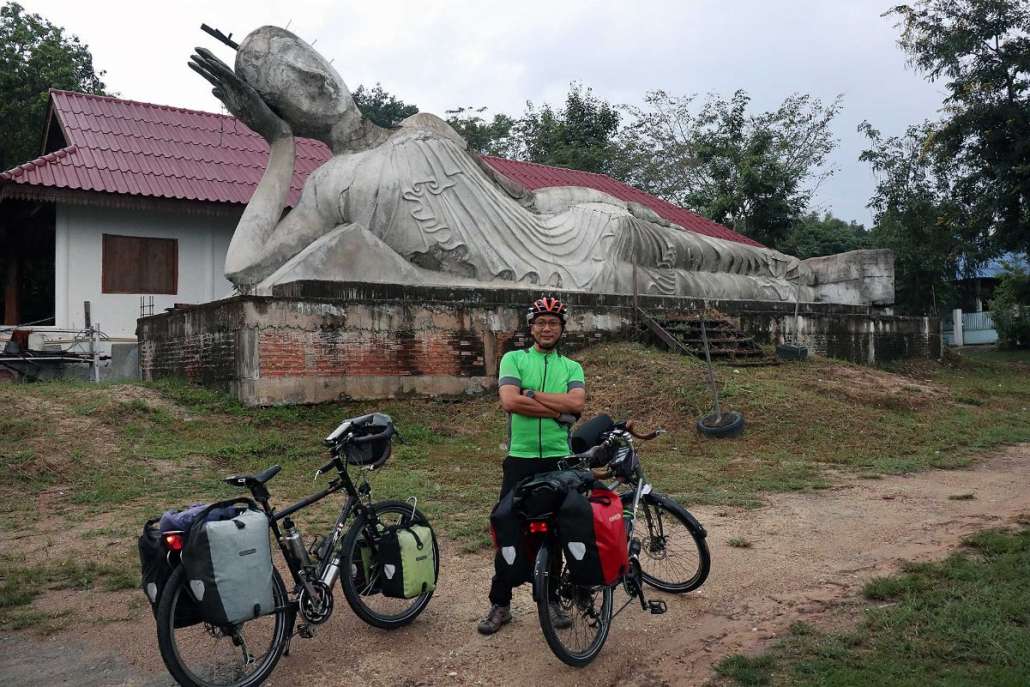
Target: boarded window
136, 264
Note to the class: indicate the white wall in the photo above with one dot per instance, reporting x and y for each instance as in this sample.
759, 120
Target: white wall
203, 242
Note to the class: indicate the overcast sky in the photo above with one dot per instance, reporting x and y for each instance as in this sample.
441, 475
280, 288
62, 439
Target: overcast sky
439, 55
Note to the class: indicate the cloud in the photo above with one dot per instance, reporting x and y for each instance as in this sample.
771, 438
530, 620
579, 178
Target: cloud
444, 54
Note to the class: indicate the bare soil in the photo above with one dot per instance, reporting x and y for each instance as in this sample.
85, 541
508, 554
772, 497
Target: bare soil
810, 554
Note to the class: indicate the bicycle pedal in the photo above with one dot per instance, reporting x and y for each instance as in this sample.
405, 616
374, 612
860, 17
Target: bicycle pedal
306, 631
657, 607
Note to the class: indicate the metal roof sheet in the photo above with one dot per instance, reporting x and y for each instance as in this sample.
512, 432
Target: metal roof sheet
134, 148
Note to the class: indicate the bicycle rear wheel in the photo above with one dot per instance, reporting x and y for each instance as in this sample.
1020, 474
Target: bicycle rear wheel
575, 619
674, 555
360, 577
204, 655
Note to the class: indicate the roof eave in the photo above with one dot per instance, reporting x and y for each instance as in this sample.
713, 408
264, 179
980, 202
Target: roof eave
48, 194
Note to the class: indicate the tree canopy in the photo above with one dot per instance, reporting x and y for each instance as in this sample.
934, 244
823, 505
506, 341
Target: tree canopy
918, 217
485, 137
814, 235
35, 56
754, 172
981, 50
579, 135
381, 107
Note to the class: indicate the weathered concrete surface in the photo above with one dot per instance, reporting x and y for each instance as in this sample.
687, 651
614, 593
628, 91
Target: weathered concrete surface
322, 341
412, 205
858, 276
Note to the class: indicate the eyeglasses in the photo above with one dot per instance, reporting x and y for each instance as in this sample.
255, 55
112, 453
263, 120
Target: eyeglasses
547, 324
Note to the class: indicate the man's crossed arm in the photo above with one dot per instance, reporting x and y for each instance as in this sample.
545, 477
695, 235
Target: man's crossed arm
542, 404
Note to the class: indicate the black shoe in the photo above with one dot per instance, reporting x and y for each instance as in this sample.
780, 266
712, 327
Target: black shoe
559, 618
498, 616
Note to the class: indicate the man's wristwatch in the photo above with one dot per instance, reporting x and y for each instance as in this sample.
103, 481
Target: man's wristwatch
529, 393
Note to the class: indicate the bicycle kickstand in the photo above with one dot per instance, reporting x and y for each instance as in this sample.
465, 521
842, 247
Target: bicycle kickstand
654, 606
291, 623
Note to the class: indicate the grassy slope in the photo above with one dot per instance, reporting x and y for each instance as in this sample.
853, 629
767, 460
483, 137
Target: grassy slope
101, 459
964, 622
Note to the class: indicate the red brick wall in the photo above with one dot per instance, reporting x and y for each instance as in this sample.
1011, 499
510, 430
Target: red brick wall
336, 353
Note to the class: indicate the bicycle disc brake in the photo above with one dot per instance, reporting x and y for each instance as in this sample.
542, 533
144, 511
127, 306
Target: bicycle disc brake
316, 609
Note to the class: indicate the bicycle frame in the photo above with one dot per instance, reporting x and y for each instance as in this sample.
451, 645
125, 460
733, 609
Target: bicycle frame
325, 571
631, 580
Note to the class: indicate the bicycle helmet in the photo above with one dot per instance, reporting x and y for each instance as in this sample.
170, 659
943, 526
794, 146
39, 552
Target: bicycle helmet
548, 305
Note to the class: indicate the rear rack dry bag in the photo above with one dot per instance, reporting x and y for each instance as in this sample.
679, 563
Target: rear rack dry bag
515, 552
229, 567
155, 568
407, 561
593, 537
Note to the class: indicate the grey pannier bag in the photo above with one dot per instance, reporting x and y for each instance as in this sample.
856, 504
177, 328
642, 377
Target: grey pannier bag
228, 566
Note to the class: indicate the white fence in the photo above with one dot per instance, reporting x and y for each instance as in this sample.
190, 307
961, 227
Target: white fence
968, 329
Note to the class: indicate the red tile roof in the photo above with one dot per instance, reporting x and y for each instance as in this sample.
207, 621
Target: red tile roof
140, 149
128, 147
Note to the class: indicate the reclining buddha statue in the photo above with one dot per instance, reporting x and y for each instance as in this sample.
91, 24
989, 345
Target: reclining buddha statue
412, 205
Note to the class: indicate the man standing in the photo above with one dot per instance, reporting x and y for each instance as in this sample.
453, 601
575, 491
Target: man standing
542, 391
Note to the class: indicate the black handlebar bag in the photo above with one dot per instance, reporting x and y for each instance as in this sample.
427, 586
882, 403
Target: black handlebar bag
229, 565
156, 568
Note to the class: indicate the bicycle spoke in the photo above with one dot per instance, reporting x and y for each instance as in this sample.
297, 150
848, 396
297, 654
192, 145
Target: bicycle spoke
362, 586
671, 558
206, 655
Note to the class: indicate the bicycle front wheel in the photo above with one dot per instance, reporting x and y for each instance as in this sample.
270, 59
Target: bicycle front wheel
674, 554
361, 575
575, 618
198, 654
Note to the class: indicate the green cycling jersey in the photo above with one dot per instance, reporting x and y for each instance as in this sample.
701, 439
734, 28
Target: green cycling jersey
550, 372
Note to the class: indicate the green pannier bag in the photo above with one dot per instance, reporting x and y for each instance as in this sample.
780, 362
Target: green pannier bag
364, 571
407, 561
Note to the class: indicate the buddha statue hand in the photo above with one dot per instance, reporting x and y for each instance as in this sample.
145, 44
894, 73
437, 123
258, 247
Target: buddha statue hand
239, 97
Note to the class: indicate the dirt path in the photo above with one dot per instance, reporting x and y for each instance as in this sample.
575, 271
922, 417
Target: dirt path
811, 553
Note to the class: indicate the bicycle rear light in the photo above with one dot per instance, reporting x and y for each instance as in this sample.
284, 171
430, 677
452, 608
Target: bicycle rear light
173, 541
538, 527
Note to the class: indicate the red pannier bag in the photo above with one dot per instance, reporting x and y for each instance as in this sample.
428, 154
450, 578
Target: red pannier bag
593, 537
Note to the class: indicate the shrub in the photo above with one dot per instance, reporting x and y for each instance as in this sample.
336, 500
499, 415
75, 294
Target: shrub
1010, 308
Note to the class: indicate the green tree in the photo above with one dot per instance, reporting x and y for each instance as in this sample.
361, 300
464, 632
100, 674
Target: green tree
813, 236
918, 217
753, 172
1010, 307
35, 56
981, 50
382, 107
485, 137
580, 135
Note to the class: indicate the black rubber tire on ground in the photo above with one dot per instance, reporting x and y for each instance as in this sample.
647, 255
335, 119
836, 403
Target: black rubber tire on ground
545, 592
169, 639
659, 519
730, 425
402, 611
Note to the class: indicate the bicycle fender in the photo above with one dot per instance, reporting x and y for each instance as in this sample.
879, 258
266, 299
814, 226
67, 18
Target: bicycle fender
698, 527
540, 570
669, 501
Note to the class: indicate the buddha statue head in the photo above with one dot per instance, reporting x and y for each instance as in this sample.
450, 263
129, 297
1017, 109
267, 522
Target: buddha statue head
297, 83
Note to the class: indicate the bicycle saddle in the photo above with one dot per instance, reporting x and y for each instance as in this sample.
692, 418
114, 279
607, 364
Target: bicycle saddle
252, 480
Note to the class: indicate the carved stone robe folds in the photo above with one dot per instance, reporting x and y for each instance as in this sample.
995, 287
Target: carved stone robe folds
418, 208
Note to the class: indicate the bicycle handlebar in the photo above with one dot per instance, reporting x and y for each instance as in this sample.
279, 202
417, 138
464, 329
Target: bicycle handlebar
658, 431
590, 455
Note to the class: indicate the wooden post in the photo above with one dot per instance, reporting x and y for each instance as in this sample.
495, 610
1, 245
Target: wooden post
11, 312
